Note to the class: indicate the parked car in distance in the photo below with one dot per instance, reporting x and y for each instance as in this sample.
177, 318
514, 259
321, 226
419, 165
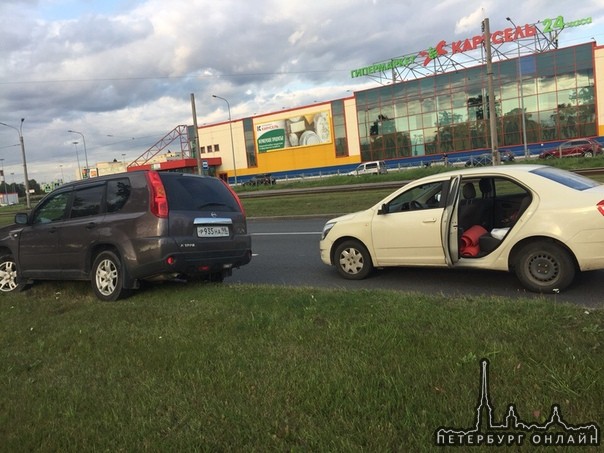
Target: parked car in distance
121, 229
265, 179
579, 147
486, 159
542, 223
375, 167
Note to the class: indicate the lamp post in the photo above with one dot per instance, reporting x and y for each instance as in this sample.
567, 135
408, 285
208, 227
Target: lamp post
231, 129
85, 152
4, 181
526, 151
78, 159
20, 132
62, 177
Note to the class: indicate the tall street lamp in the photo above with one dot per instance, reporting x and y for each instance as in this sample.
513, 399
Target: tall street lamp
4, 181
526, 151
20, 132
85, 152
78, 159
231, 129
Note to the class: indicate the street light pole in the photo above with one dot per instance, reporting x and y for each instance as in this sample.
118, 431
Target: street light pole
78, 159
4, 180
526, 151
20, 132
231, 129
85, 152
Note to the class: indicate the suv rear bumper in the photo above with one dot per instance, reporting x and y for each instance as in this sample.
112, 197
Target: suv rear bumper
165, 258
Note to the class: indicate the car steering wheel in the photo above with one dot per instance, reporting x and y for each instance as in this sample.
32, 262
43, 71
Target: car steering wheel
415, 205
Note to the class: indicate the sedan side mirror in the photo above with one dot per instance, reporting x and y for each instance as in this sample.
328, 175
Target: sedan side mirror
385, 209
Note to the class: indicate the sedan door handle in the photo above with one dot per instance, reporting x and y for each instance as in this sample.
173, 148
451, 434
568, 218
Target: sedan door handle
432, 220
90, 226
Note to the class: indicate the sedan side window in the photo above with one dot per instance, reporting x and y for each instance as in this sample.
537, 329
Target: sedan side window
53, 209
426, 196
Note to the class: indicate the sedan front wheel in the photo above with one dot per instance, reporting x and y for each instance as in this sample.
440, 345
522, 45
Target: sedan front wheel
352, 260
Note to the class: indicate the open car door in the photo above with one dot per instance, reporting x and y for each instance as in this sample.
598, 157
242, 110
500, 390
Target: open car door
449, 224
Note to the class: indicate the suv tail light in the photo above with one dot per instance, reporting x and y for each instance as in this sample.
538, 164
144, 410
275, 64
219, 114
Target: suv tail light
234, 195
158, 201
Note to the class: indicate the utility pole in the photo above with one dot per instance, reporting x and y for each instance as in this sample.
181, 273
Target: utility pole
197, 150
490, 92
22, 142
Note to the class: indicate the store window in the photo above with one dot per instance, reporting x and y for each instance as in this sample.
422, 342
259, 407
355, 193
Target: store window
449, 112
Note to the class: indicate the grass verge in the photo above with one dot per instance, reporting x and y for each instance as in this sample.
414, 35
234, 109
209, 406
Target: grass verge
244, 368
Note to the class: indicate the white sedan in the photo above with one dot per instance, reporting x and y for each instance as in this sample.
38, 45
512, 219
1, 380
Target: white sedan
542, 223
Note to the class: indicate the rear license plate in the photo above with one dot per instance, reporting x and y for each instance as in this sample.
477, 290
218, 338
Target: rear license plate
212, 231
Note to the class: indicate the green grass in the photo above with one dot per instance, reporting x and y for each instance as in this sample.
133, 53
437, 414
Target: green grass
204, 367
337, 203
313, 204
246, 368
412, 173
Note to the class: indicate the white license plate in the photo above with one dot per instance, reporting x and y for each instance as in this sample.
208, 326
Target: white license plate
212, 231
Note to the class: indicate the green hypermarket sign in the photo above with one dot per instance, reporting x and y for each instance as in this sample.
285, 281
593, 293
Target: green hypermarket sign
443, 47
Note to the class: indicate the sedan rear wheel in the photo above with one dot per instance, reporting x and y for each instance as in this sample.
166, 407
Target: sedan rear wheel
544, 267
352, 260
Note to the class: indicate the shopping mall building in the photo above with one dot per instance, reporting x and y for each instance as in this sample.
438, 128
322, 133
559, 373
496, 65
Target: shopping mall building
424, 106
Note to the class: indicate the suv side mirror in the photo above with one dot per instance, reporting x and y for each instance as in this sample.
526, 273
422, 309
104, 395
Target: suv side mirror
21, 218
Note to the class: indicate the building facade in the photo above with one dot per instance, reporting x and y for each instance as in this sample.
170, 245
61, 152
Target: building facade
423, 119
540, 99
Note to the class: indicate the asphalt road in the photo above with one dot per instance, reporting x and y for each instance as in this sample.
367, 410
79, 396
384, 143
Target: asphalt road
286, 252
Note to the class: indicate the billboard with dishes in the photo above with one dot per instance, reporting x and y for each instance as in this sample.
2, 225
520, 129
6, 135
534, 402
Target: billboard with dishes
299, 130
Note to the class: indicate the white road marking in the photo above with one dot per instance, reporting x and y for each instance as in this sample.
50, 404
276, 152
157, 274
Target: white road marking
286, 234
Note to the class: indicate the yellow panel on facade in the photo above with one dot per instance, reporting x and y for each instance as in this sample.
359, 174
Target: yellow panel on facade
297, 140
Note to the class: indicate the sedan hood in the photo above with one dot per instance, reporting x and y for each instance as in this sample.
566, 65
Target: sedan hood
346, 217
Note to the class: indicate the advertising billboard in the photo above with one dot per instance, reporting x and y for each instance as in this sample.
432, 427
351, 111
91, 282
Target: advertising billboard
295, 131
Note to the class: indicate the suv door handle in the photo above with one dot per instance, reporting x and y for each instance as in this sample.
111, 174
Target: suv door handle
90, 226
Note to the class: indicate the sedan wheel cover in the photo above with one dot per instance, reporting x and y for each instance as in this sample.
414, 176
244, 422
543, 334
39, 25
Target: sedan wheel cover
8, 276
351, 261
543, 268
106, 277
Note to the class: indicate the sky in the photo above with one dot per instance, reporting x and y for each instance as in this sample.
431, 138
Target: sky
121, 72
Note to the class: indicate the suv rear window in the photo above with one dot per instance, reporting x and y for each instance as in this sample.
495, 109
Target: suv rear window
566, 178
87, 201
118, 192
192, 193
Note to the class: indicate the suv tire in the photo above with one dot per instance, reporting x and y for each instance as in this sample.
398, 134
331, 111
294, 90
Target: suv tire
108, 277
8, 275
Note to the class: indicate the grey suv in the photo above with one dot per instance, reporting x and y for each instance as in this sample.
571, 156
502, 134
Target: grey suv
119, 230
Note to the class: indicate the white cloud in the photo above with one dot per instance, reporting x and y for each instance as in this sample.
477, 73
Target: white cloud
76, 64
